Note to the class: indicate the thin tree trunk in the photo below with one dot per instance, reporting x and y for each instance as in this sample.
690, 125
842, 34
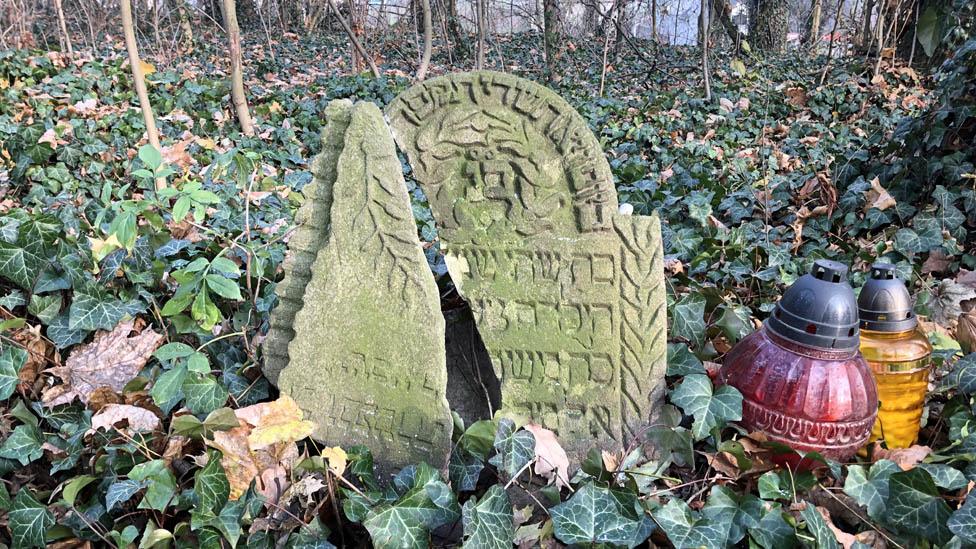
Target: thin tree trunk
833, 36
479, 59
352, 38
64, 28
236, 70
703, 20
155, 22
139, 80
654, 20
428, 40
813, 31
606, 44
267, 32
866, 21
358, 54
550, 35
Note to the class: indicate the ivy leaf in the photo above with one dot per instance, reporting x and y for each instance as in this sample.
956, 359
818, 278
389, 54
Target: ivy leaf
741, 512
424, 503
682, 362
963, 522
915, 508
514, 449
816, 525
169, 386
161, 485
121, 491
28, 520
945, 477
599, 515
210, 484
710, 408
687, 529
24, 444
488, 523
688, 319
203, 393
464, 469
45, 307
94, 312
870, 488
773, 531
19, 265
310, 536
12, 359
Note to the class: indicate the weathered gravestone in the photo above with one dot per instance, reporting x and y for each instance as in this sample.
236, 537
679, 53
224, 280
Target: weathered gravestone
366, 361
568, 294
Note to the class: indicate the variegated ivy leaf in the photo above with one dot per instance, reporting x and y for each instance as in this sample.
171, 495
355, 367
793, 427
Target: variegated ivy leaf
28, 520
870, 487
424, 503
597, 515
514, 449
488, 523
915, 507
711, 408
687, 529
12, 359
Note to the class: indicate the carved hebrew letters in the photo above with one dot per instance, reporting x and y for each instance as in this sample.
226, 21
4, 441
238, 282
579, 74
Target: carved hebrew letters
367, 360
568, 295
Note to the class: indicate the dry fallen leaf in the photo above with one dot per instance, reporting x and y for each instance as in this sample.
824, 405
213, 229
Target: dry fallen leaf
139, 419
263, 447
937, 262
845, 539
112, 359
337, 458
878, 197
906, 458
552, 460
37, 349
274, 422
966, 332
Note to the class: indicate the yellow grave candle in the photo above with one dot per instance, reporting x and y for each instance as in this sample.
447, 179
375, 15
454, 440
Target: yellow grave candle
898, 354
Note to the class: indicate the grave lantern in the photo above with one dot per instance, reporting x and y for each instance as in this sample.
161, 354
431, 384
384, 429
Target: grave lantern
898, 354
803, 381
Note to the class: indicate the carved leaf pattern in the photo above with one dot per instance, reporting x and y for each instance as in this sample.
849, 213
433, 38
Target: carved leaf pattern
643, 330
382, 220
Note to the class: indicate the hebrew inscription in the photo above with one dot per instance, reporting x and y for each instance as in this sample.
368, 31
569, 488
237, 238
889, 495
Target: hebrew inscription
367, 359
568, 294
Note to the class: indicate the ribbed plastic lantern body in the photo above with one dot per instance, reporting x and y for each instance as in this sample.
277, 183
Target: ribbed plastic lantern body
803, 381
898, 354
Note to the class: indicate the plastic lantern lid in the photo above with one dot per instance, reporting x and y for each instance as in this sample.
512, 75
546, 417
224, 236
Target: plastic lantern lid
819, 310
885, 304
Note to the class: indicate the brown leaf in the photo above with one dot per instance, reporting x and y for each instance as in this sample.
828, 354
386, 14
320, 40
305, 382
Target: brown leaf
845, 539
262, 447
551, 458
174, 448
796, 97
878, 197
274, 422
37, 349
936, 262
966, 332
112, 359
103, 396
137, 419
906, 458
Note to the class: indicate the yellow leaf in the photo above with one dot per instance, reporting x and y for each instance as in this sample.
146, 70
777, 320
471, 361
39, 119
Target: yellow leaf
101, 248
738, 66
274, 107
206, 143
336, 457
147, 68
272, 422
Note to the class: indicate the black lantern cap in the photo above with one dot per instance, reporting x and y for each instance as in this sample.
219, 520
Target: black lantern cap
885, 304
818, 310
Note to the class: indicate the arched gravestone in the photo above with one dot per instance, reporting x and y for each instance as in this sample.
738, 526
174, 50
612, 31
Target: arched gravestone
568, 294
365, 340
